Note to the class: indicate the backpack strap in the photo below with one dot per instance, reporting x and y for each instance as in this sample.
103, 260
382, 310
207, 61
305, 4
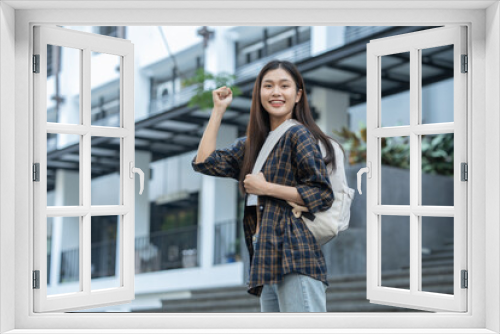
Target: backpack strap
271, 141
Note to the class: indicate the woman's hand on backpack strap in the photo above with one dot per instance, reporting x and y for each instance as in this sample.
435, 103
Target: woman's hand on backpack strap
256, 184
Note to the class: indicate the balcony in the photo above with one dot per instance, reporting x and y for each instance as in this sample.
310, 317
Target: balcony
165, 103
293, 54
159, 251
356, 33
167, 250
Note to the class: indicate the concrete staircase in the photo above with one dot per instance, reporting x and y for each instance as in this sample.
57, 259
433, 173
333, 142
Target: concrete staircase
345, 294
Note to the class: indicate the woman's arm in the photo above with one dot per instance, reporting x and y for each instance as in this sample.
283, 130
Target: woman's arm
222, 98
257, 184
313, 183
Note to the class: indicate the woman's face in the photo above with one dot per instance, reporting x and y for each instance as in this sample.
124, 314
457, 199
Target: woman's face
278, 93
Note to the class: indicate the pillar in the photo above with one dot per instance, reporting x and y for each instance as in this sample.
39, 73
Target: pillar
65, 230
218, 201
220, 54
324, 38
332, 107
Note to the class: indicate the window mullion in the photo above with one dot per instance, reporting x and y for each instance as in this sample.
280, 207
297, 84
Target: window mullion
415, 93
85, 236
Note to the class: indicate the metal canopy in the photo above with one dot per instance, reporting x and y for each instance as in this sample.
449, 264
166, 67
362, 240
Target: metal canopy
177, 128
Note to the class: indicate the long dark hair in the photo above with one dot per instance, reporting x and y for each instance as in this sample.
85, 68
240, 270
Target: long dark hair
259, 124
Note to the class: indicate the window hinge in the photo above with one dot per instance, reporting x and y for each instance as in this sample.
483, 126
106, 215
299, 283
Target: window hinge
465, 64
465, 171
36, 172
36, 63
465, 279
36, 279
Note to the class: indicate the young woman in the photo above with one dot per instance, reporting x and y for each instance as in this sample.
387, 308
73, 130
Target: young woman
287, 267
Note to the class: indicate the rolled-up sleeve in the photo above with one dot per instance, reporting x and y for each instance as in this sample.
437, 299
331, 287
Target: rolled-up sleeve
313, 183
224, 162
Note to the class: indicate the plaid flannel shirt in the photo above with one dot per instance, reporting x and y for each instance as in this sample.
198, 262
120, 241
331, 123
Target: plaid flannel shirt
284, 244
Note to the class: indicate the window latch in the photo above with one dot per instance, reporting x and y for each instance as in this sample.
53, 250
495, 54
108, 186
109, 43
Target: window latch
139, 171
368, 171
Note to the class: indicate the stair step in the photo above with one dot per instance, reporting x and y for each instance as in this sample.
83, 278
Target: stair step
345, 293
210, 306
445, 264
449, 248
438, 257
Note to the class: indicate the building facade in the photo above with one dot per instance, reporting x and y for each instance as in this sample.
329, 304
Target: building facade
188, 226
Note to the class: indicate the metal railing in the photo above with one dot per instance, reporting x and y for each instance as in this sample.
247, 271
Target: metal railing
103, 259
159, 251
167, 250
70, 267
293, 54
227, 243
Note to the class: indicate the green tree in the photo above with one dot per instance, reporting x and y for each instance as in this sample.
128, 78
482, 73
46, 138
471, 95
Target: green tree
437, 151
205, 83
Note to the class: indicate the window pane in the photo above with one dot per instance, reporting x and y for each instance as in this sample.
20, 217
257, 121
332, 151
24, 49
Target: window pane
105, 86
395, 89
437, 254
105, 171
63, 237
63, 84
437, 84
105, 257
437, 169
395, 241
63, 169
395, 175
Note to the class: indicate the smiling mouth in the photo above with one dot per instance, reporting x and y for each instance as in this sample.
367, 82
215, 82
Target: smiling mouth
277, 103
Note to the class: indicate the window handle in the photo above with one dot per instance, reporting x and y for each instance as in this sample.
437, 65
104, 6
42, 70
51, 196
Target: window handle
141, 175
368, 171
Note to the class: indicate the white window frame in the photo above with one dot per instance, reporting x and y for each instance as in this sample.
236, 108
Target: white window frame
415, 297
483, 211
86, 43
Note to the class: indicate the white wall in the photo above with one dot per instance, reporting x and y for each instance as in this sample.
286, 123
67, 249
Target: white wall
173, 176
325, 38
215, 60
7, 168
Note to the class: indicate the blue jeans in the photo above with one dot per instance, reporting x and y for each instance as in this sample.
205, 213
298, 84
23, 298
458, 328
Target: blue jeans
295, 293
